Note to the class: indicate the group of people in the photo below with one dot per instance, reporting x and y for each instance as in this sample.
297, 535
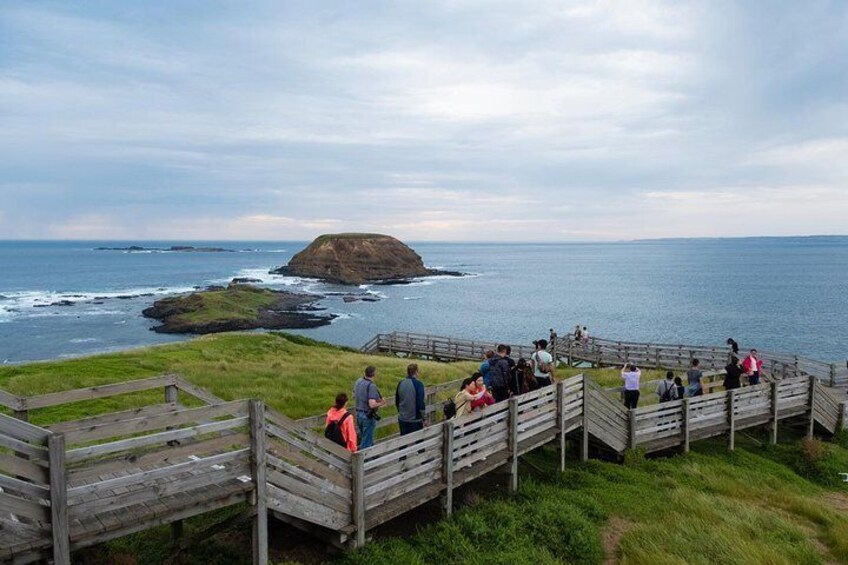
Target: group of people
581, 335
499, 377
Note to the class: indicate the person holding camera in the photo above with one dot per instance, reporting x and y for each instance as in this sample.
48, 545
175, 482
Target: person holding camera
631, 376
368, 401
409, 399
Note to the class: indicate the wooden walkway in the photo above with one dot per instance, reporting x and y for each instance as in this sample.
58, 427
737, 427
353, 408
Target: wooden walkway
81, 482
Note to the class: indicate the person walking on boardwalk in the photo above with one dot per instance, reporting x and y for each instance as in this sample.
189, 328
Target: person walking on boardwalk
693, 378
666, 390
679, 388
499, 374
485, 365
339, 426
486, 398
517, 373
467, 396
631, 375
409, 399
578, 335
734, 347
733, 374
368, 401
753, 365
543, 364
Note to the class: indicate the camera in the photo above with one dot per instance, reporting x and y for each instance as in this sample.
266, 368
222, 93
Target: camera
372, 414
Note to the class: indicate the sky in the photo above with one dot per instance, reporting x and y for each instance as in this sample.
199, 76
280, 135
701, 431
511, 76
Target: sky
460, 120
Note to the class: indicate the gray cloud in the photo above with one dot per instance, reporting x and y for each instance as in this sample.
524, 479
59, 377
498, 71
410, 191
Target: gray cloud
448, 120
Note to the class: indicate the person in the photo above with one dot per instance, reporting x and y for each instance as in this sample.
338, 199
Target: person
693, 378
338, 413
409, 399
530, 383
540, 361
578, 335
734, 347
679, 388
733, 374
484, 366
499, 374
486, 398
367, 400
465, 397
631, 376
753, 365
509, 358
666, 390
516, 378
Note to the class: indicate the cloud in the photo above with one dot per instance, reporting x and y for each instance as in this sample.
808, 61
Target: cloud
443, 120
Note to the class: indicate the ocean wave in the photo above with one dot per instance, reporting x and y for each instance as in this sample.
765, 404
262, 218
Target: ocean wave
412, 297
84, 340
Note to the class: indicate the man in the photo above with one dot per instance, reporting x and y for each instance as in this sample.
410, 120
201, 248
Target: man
409, 399
631, 375
693, 378
752, 365
666, 390
368, 401
499, 374
542, 360
484, 367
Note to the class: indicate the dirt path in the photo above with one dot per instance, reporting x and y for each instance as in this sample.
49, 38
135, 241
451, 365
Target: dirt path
611, 535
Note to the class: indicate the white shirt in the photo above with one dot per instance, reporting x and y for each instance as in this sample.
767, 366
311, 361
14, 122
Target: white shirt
631, 379
538, 358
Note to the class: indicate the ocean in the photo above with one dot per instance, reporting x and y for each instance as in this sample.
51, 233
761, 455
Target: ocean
779, 294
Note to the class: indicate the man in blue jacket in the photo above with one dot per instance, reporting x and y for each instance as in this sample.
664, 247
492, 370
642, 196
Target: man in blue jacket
409, 399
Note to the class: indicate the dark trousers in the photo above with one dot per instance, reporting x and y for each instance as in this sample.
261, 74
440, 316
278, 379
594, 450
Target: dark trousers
543, 381
631, 398
754, 379
500, 393
409, 427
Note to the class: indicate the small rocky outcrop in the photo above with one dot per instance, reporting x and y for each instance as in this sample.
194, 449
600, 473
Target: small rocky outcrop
358, 258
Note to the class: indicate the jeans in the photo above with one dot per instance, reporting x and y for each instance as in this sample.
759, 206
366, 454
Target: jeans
365, 426
631, 398
754, 379
409, 427
695, 390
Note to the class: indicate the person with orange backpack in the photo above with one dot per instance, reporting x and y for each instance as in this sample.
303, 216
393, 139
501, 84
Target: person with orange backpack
340, 427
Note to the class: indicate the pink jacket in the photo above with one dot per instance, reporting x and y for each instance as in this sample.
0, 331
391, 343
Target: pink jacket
348, 426
748, 364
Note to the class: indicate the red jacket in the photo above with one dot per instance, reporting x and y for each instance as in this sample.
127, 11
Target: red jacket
748, 364
348, 427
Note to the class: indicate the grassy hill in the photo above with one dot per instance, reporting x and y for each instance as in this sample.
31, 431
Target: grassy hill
761, 504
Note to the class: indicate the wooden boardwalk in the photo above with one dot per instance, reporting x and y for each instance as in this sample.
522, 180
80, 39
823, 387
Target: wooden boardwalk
81, 482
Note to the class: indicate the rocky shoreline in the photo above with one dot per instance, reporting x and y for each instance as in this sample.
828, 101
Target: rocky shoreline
236, 308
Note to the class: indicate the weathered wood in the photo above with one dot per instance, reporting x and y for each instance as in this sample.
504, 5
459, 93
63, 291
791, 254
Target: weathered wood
685, 425
447, 470
23, 431
94, 392
812, 423
258, 466
59, 500
731, 419
561, 423
584, 444
358, 500
632, 429
513, 445
19, 467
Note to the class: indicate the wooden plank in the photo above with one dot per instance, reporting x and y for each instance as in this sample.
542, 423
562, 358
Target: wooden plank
258, 468
293, 455
11, 401
731, 419
447, 469
23, 431
18, 446
308, 491
111, 417
412, 448
292, 505
584, 445
18, 466
358, 502
99, 391
161, 437
304, 475
24, 507
320, 441
59, 500
171, 419
23, 487
686, 434
774, 412
561, 419
812, 423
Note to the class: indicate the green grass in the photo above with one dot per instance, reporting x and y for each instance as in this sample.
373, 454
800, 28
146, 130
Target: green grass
237, 302
761, 504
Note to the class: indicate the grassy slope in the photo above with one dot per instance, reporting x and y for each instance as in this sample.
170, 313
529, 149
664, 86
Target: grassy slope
234, 303
772, 505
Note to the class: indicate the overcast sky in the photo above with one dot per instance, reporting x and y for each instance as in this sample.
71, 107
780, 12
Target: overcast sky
455, 120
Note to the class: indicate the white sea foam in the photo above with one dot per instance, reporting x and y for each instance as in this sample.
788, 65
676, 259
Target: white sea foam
412, 298
84, 340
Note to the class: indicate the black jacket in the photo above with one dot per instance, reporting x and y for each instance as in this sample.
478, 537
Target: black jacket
499, 372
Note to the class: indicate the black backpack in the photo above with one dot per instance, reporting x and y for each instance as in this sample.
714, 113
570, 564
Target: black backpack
333, 432
667, 394
449, 409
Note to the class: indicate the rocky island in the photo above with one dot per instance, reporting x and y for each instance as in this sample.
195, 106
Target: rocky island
172, 249
236, 307
359, 258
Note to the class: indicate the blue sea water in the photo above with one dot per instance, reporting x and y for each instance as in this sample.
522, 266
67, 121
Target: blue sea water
781, 294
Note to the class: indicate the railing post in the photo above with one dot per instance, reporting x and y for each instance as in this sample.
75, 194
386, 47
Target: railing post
570, 351
560, 396
584, 444
813, 387
632, 428
513, 445
58, 500
358, 484
731, 419
259, 463
429, 400
447, 467
841, 424
686, 425
774, 411
832, 375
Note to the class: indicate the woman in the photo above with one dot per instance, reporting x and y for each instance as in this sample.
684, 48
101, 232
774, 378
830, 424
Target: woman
530, 383
486, 398
631, 375
733, 374
466, 396
344, 423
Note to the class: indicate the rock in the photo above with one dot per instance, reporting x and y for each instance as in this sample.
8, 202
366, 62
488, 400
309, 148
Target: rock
173, 248
238, 307
357, 258
245, 280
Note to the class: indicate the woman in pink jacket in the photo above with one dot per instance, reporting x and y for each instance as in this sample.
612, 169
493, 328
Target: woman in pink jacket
752, 366
338, 413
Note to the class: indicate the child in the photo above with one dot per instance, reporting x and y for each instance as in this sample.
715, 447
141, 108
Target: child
678, 385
